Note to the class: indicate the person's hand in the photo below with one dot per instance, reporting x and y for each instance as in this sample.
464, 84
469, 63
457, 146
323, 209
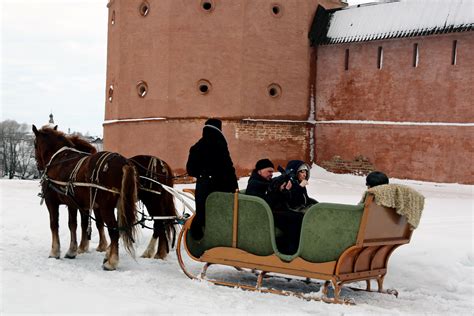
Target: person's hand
285, 186
303, 183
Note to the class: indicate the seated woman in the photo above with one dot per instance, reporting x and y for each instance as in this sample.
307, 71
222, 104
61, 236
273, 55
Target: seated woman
298, 199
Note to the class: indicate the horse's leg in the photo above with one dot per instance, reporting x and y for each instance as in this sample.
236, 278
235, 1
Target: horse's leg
162, 241
72, 223
112, 253
84, 245
53, 209
150, 249
99, 223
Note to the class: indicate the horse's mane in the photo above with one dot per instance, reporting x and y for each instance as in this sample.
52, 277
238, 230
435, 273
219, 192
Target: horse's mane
82, 145
74, 141
55, 133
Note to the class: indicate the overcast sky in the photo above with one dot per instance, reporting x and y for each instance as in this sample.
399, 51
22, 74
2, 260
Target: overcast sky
53, 58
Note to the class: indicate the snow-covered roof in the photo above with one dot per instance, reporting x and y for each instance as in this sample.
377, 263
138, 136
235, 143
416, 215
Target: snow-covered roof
405, 18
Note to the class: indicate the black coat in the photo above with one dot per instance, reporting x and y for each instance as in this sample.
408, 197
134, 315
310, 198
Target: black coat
287, 221
210, 163
269, 191
258, 186
298, 198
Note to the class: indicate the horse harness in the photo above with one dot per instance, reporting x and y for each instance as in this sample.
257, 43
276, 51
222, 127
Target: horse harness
67, 188
69, 185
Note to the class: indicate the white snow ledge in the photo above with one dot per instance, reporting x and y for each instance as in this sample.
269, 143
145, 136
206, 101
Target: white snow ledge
134, 120
393, 123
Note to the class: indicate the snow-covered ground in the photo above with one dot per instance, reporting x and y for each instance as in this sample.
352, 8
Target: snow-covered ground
434, 273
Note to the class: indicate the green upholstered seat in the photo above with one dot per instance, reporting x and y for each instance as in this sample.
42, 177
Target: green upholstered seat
327, 230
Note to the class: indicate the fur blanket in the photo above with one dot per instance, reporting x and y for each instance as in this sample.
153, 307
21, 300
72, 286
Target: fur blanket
405, 200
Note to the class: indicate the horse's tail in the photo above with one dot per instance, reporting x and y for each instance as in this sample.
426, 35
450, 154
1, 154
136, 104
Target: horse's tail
127, 216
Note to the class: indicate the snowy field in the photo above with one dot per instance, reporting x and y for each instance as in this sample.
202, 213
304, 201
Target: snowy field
433, 274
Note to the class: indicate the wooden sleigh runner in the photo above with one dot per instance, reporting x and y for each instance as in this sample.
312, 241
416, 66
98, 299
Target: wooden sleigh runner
339, 243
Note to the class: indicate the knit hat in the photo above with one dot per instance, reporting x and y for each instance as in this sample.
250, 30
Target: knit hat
214, 122
264, 163
303, 167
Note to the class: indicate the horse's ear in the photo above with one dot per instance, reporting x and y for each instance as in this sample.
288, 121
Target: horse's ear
55, 128
35, 130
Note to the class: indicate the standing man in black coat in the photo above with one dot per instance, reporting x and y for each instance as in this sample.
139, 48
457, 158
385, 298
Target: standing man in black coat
210, 163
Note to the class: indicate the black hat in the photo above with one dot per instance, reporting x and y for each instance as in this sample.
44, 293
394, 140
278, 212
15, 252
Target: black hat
376, 178
214, 122
264, 163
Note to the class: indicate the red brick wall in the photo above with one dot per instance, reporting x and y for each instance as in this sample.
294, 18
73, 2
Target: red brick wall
240, 47
430, 153
435, 91
248, 141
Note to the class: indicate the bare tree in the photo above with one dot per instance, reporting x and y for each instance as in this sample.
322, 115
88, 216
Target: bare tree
16, 146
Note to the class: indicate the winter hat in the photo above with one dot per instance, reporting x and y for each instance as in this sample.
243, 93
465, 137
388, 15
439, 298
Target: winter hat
303, 167
376, 178
264, 163
214, 122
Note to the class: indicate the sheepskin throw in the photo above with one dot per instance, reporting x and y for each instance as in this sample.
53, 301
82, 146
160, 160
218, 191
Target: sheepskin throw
404, 199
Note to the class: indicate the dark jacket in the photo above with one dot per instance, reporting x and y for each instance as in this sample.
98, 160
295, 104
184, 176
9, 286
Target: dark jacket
210, 163
287, 221
298, 197
209, 158
258, 186
269, 191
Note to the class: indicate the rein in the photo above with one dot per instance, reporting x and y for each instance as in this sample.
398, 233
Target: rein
155, 174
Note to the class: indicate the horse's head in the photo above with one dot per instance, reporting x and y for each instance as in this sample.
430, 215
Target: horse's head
48, 141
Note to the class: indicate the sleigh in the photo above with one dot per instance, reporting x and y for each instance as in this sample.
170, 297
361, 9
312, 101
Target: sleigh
339, 244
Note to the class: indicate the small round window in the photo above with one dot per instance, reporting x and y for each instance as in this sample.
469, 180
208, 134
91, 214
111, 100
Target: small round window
204, 86
142, 89
207, 5
144, 8
274, 90
277, 9
110, 93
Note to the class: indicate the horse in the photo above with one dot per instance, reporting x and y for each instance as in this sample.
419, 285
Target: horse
158, 202
85, 181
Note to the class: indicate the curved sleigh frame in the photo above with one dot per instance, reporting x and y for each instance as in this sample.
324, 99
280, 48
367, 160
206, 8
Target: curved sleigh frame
378, 232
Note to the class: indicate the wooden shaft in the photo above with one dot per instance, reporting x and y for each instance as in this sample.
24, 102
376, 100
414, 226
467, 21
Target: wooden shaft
235, 219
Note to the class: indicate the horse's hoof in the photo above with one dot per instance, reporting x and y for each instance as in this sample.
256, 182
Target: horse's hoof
162, 257
68, 256
107, 267
146, 254
54, 257
100, 249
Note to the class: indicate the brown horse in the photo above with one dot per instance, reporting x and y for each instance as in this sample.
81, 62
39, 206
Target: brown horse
84, 181
157, 201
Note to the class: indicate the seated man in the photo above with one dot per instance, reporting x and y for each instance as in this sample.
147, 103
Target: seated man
260, 184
